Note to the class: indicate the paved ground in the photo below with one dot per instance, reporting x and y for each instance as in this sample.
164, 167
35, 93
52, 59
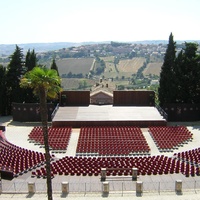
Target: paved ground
149, 196
17, 133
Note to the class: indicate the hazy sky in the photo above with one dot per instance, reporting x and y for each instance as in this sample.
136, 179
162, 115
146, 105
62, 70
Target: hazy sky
31, 21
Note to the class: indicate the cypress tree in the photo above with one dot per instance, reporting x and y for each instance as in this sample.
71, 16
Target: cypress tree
188, 74
31, 60
3, 96
54, 66
15, 70
180, 76
166, 91
180, 90
30, 63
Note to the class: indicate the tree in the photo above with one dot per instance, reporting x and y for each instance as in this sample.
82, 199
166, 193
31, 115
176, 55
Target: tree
30, 63
166, 91
54, 66
15, 70
31, 60
70, 75
82, 84
180, 75
195, 74
187, 72
100, 66
3, 90
45, 83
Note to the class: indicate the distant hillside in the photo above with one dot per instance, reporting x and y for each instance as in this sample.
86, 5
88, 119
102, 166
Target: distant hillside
163, 41
126, 67
8, 49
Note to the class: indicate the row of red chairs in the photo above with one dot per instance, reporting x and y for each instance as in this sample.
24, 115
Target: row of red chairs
192, 156
19, 160
108, 135
58, 137
104, 141
91, 166
170, 137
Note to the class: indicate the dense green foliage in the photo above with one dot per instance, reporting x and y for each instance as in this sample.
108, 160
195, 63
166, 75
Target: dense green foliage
54, 66
100, 66
70, 75
82, 84
31, 60
30, 63
180, 75
167, 79
187, 73
3, 95
10, 77
139, 74
117, 44
15, 70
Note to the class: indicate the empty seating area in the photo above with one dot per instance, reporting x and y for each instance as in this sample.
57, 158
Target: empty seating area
108, 147
120, 166
18, 160
191, 157
111, 140
58, 137
168, 138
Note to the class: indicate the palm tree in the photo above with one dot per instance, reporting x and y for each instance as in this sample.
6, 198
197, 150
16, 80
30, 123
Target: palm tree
45, 83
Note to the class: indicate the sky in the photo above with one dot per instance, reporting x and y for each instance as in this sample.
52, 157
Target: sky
47, 21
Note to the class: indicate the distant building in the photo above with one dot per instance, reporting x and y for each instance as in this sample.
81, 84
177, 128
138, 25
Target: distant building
154, 82
101, 98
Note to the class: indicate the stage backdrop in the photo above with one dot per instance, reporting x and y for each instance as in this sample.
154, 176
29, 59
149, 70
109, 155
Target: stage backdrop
182, 112
75, 98
134, 98
29, 112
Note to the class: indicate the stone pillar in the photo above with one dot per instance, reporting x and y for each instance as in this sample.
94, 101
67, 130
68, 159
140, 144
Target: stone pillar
31, 187
139, 187
178, 186
134, 174
103, 174
65, 187
105, 187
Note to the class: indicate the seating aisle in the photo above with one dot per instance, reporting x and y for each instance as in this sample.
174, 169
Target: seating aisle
153, 148
71, 149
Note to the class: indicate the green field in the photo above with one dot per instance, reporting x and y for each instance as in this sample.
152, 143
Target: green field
153, 68
74, 83
125, 67
75, 65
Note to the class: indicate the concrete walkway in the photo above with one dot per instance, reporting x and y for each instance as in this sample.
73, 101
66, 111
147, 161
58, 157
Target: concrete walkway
151, 143
71, 149
146, 196
17, 133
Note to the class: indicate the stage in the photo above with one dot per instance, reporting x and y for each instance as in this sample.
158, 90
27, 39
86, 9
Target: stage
108, 115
